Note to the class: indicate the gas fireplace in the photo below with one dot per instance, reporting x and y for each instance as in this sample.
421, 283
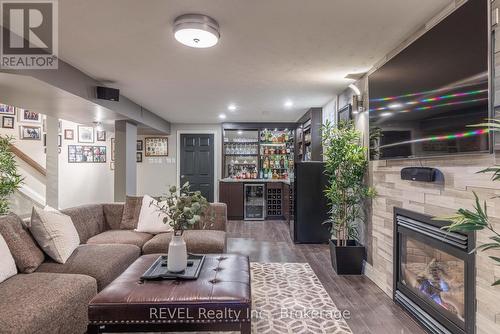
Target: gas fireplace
434, 273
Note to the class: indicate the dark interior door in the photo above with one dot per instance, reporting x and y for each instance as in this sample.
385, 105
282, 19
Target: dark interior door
197, 163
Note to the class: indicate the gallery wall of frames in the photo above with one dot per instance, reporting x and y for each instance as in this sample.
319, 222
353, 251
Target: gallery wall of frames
85, 159
86, 154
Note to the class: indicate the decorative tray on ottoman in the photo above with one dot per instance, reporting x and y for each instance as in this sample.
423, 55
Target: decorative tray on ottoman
159, 271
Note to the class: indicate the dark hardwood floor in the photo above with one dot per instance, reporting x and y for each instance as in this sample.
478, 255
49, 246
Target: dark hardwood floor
372, 311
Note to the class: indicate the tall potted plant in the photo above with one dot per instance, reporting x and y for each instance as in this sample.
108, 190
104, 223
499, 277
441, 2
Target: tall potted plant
345, 165
10, 179
184, 209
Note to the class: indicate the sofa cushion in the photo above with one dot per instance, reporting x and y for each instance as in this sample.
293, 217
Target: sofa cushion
215, 218
23, 248
45, 303
102, 262
55, 233
113, 213
88, 220
127, 237
131, 212
7, 263
197, 241
151, 218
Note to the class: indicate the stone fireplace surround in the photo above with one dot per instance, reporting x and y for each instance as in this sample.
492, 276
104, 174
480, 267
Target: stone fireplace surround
436, 200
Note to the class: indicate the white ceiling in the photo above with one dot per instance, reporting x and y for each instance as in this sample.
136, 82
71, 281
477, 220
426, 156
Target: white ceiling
269, 51
29, 93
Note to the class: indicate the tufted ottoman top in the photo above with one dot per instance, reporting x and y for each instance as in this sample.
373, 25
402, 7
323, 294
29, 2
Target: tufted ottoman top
220, 294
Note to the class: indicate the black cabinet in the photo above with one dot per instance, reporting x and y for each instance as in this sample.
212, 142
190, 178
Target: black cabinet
308, 136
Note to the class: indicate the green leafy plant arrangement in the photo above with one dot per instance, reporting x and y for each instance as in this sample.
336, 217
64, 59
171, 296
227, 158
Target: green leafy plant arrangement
345, 165
185, 209
477, 219
10, 179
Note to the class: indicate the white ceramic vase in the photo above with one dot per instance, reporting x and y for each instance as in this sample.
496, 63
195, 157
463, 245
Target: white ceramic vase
177, 254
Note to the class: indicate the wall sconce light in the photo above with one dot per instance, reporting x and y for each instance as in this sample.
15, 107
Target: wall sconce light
357, 99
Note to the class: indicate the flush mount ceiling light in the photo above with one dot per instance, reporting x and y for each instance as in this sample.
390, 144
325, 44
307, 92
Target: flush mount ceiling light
222, 116
232, 107
288, 103
196, 30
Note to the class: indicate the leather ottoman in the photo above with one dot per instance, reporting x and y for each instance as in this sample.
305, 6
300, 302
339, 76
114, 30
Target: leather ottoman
219, 300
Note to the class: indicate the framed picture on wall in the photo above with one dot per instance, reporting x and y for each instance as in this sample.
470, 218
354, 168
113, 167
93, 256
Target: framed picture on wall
30, 132
69, 134
138, 156
86, 154
7, 110
27, 116
140, 145
345, 113
8, 122
101, 135
85, 134
156, 147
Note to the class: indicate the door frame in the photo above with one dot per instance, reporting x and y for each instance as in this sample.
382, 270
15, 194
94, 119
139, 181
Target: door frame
216, 156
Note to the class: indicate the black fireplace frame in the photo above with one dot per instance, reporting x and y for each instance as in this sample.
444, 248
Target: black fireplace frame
418, 304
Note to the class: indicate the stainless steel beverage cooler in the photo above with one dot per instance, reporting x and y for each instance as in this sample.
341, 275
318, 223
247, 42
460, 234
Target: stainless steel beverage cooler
255, 205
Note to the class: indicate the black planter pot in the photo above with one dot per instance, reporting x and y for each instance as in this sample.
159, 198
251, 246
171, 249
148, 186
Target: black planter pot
347, 260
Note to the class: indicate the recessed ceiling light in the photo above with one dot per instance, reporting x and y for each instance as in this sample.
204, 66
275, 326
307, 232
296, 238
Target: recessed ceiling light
386, 114
240, 132
222, 116
288, 103
232, 107
196, 30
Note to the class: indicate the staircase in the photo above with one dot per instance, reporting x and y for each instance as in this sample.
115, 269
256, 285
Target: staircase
32, 191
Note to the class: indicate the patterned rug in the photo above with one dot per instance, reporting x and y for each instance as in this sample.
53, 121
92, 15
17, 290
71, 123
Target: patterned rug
289, 298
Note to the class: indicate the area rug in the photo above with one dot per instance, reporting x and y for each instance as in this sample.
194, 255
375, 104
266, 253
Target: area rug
289, 298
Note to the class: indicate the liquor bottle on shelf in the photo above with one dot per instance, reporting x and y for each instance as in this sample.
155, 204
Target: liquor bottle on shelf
265, 164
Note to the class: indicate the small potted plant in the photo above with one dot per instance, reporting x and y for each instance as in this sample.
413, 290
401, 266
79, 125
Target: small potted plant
184, 209
345, 165
10, 179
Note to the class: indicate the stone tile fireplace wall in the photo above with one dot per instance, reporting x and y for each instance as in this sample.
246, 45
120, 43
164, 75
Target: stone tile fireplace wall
437, 200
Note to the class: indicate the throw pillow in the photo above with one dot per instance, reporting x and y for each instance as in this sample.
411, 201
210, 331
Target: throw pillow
131, 212
24, 250
7, 264
151, 219
55, 233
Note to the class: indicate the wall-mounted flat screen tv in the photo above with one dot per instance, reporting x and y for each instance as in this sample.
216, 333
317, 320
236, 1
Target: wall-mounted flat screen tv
423, 100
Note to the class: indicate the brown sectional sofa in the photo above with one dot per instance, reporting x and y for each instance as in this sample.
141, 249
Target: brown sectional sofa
54, 298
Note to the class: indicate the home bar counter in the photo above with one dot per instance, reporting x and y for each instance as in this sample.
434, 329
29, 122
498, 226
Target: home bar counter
257, 199
258, 163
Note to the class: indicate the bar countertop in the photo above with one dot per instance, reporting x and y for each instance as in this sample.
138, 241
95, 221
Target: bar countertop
229, 180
